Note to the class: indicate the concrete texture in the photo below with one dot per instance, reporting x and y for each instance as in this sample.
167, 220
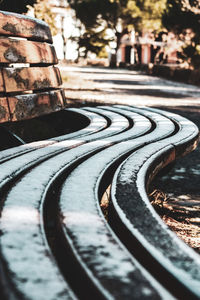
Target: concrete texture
94, 86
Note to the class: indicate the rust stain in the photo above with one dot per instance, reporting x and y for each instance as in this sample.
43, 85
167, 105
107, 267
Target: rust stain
5, 44
33, 78
41, 84
22, 30
3, 112
12, 55
39, 31
33, 105
43, 100
21, 82
9, 27
21, 110
24, 107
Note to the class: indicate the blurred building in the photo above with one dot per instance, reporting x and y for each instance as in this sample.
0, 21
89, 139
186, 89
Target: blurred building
148, 48
133, 48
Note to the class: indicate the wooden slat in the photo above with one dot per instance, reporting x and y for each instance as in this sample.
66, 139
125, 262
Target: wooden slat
34, 78
24, 51
32, 105
4, 111
23, 26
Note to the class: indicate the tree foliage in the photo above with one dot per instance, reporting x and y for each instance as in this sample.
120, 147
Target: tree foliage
118, 15
183, 18
19, 6
147, 14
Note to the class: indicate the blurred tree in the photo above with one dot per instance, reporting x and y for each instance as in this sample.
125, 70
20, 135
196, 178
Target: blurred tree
121, 16
91, 41
95, 17
43, 11
183, 18
19, 6
147, 14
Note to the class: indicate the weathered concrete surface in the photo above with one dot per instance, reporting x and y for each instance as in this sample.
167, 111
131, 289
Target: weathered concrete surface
109, 86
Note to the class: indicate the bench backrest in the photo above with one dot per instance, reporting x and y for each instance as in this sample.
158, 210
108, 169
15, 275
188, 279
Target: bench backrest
29, 79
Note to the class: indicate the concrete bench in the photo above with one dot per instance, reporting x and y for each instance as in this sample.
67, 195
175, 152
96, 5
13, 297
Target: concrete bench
55, 241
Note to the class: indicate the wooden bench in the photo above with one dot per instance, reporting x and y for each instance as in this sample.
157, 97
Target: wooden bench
55, 242
29, 78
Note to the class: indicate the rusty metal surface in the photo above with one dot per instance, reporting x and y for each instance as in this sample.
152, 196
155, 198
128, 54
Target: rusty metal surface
24, 51
12, 24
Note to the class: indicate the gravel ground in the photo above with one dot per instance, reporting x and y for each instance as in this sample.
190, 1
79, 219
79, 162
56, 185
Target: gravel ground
181, 208
177, 193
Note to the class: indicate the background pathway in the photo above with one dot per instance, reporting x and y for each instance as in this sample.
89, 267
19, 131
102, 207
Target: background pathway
128, 87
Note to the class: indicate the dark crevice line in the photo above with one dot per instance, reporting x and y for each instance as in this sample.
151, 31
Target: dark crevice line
146, 259
5, 188
43, 64
30, 92
5, 95
108, 120
142, 254
131, 122
67, 261
70, 267
134, 246
6, 285
16, 176
60, 250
